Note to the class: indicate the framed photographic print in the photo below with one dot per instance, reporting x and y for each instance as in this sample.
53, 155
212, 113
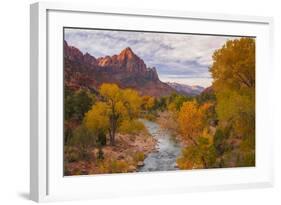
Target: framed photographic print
127, 102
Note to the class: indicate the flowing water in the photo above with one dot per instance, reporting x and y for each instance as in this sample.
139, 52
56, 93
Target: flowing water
167, 150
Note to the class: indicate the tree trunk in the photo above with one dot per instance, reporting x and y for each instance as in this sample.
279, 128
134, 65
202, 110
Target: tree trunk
113, 127
111, 137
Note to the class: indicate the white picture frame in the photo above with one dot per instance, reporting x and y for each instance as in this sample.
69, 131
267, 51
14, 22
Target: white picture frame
47, 182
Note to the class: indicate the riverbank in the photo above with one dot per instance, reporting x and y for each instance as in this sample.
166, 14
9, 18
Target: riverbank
126, 156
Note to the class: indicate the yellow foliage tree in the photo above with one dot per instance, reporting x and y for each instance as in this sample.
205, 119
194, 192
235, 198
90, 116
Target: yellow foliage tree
117, 105
234, 65
151, 102
113, 98
132, 101
233, 71
96, 119
191, 120
148, 102
193, 125
172, 107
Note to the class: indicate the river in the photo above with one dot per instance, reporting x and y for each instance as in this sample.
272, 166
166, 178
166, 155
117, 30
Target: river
167, 150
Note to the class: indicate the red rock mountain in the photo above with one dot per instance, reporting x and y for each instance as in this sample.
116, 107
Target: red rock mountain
125, 69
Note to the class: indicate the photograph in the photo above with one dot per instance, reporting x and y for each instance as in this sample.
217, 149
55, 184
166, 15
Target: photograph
145, 101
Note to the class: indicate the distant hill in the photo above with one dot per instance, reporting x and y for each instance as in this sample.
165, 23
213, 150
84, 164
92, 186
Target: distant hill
125, 69
187, 89
208, 90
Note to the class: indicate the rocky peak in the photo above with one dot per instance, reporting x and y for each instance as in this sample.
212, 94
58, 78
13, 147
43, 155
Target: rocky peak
89, 60
126, 61
127, 53
105, 61
73, 53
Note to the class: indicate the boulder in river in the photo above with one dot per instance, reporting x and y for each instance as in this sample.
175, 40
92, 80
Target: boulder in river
140, 164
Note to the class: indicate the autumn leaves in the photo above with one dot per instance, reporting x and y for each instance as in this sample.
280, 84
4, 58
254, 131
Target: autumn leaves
116, 109
233, 71
232, 142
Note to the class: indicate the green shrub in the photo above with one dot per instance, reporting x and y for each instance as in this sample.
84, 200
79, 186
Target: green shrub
84, 141
139, 156
118, 166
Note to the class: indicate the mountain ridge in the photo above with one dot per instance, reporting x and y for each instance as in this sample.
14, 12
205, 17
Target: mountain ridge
186, 89
125, 69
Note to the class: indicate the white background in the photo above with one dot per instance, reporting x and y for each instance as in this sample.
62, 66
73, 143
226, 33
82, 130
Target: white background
14, 107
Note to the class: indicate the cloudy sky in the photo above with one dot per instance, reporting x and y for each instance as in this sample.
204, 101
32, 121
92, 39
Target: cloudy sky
182, 58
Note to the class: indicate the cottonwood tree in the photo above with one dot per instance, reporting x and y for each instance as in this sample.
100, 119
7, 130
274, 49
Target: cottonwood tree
193, 125
233, 71
116, 106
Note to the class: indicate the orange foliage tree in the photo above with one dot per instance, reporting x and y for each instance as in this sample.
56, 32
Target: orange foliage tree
193, 125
